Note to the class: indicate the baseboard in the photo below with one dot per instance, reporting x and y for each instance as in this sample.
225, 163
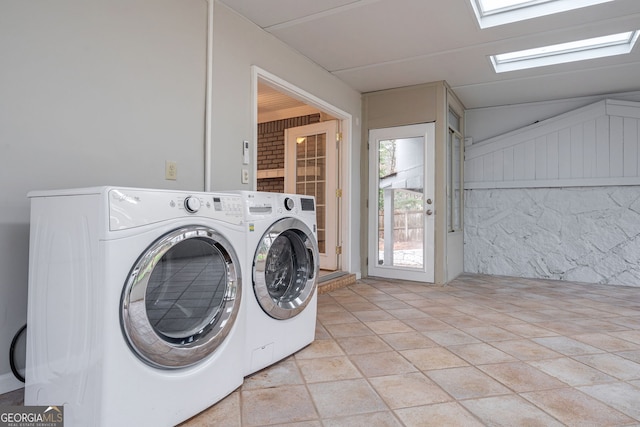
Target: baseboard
8, 382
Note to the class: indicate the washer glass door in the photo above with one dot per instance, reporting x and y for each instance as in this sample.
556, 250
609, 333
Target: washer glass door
286, 268
181, 298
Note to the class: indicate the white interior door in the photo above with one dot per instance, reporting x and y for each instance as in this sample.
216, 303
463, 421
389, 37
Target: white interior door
401, 202
311, 169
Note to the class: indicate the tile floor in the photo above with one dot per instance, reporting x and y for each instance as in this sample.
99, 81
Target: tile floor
483, 350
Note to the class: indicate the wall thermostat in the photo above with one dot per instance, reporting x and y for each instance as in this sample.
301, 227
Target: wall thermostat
245, 152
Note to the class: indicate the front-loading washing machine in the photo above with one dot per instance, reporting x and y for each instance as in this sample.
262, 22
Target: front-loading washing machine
134, 306
281, 297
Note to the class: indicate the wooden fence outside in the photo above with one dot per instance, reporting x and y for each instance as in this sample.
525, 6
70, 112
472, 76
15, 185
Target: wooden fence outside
408, 226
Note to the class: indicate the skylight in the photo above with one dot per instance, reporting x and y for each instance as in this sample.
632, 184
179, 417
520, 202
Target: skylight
580, 50
491, 13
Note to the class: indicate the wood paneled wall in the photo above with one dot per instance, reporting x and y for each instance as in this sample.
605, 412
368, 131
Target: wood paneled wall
593, 146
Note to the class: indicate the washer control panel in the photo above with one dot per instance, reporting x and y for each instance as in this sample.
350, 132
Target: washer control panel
130, 208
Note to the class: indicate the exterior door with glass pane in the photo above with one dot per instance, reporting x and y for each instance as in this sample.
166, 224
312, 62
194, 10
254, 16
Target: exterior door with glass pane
401, 202
310, 168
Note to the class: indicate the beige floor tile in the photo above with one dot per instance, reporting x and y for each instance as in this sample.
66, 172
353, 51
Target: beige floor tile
461, 322
518, 352
526, 350
567, 346
408, 341
623, 397
12, 398
575, 408
362, 345
627, 321
571, 371
300, 424
336, 317
527, 330
390, 304
451, 336
433, 358
388, 326
344, 398
320, 348
438, 415
277, 405
377, 419
372, 315
566, 327
632, 336
606, 342
467, 383
613, 365
224, 413
480, 354
490, 333
427, 305
426, 324
328, 369
321, 332
379, 364
408, 313
521, 377
283, 373
413, 389
361, 306
342, 330
509, 411
630, 355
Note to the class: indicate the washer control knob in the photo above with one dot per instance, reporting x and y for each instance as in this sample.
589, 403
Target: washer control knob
289, 203
192, 204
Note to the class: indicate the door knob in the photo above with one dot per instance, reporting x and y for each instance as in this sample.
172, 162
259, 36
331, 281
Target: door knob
429, 212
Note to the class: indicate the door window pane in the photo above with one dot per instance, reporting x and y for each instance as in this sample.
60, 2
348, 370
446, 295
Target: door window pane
401, 218
310, 172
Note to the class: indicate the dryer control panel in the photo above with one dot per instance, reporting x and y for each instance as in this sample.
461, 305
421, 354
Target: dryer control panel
129, 208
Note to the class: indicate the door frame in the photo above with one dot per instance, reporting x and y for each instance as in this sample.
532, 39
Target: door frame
329, 259
344, 205
427, 274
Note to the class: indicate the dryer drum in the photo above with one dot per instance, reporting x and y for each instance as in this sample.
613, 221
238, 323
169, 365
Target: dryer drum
285, 268
181, 298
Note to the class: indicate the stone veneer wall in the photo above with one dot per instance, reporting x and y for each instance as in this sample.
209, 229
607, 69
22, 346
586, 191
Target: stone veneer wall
583, 234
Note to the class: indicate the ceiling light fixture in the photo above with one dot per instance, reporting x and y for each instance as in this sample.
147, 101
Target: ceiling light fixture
491, 13
580, 50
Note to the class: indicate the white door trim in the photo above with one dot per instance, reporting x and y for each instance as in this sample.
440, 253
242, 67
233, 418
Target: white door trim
346, 119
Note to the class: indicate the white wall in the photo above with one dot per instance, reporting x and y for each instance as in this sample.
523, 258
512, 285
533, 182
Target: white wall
92, 93
239, 44
541, 228
102, 93
485, 123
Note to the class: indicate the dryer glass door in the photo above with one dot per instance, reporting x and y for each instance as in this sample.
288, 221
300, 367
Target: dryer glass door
182, 298
286, 268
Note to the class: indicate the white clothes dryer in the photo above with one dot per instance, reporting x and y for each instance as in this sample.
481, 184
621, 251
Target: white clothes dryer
134, 306
281, 303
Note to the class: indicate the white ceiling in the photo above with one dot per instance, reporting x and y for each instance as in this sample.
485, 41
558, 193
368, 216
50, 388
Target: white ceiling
382, 44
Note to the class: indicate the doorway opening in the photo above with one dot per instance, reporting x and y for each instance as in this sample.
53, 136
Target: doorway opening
299, 149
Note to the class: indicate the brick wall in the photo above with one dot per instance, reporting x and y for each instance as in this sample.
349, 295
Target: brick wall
271, 148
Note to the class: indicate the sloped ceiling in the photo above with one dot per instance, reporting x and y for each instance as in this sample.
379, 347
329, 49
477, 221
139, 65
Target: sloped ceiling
381, 44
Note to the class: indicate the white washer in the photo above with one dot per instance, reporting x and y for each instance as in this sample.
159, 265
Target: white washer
134, 307
281, 303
